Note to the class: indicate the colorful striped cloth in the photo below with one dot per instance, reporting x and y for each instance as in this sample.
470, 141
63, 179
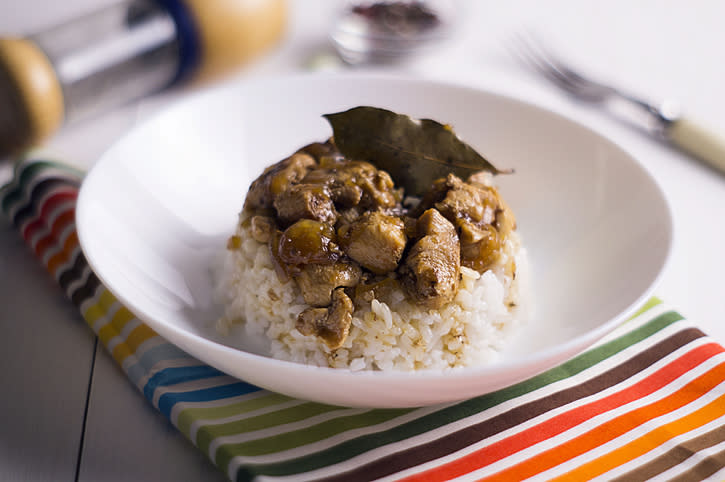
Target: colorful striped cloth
647, 402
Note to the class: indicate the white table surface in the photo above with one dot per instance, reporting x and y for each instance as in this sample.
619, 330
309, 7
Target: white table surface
67, 411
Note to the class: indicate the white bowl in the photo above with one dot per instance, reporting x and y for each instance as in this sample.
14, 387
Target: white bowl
160, 203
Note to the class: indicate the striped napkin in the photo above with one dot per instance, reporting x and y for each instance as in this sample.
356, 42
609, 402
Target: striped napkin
646, 402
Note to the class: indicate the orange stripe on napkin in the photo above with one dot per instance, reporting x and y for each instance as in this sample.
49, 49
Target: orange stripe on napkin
62, 257
614, 428
649, 441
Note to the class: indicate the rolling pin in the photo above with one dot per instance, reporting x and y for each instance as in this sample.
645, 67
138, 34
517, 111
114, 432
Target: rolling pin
124, 52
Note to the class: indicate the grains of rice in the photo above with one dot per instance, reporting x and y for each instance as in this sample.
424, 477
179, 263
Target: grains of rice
469, 330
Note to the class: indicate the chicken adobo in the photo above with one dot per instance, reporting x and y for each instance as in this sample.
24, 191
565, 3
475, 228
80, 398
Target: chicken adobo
341, 229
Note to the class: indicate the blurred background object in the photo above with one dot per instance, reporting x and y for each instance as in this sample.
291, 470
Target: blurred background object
123, 52
389, 31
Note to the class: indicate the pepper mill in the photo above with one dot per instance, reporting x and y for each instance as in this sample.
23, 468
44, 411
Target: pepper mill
121, 53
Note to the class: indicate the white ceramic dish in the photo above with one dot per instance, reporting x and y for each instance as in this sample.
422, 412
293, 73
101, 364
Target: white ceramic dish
162, 201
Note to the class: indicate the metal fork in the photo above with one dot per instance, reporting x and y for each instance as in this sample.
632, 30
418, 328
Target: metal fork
663, 119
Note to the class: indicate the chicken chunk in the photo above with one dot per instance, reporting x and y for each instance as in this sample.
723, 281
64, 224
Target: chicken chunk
377, 187
465, 202
317, 281
331, 324
276, 178
376, 241
481, 218
356, 182
346, 195
431, 270
305, 201
310, 319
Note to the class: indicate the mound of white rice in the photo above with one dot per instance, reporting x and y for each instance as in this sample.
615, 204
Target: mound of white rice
386, 334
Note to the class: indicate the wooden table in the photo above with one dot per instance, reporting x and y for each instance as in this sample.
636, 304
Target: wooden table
67, 411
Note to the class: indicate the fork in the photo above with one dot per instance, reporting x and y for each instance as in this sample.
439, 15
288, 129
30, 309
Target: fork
663, 120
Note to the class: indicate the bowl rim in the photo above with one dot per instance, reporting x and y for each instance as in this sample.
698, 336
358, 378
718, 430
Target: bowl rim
185, 339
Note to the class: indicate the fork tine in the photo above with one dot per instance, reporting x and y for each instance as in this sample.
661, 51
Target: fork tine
534, 55
564, 68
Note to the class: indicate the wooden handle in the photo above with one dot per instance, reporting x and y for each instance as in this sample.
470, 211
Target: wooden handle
31, 97
698, 141
234, 31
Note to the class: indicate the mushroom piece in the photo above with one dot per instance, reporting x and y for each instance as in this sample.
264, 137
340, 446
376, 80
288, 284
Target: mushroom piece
308, 241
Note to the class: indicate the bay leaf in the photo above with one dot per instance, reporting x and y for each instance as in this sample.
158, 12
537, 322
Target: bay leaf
414, 152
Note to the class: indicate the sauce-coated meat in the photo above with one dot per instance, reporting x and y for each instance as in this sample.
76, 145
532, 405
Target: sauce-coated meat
305, 201
430, 272
331, 324
481, 218
339, 229
355, 182
375, 240
317, 281
276, 178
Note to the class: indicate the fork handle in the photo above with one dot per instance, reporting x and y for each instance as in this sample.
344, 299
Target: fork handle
695, 139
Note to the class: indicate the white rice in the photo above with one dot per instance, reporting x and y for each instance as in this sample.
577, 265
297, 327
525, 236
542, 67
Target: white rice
469, 330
